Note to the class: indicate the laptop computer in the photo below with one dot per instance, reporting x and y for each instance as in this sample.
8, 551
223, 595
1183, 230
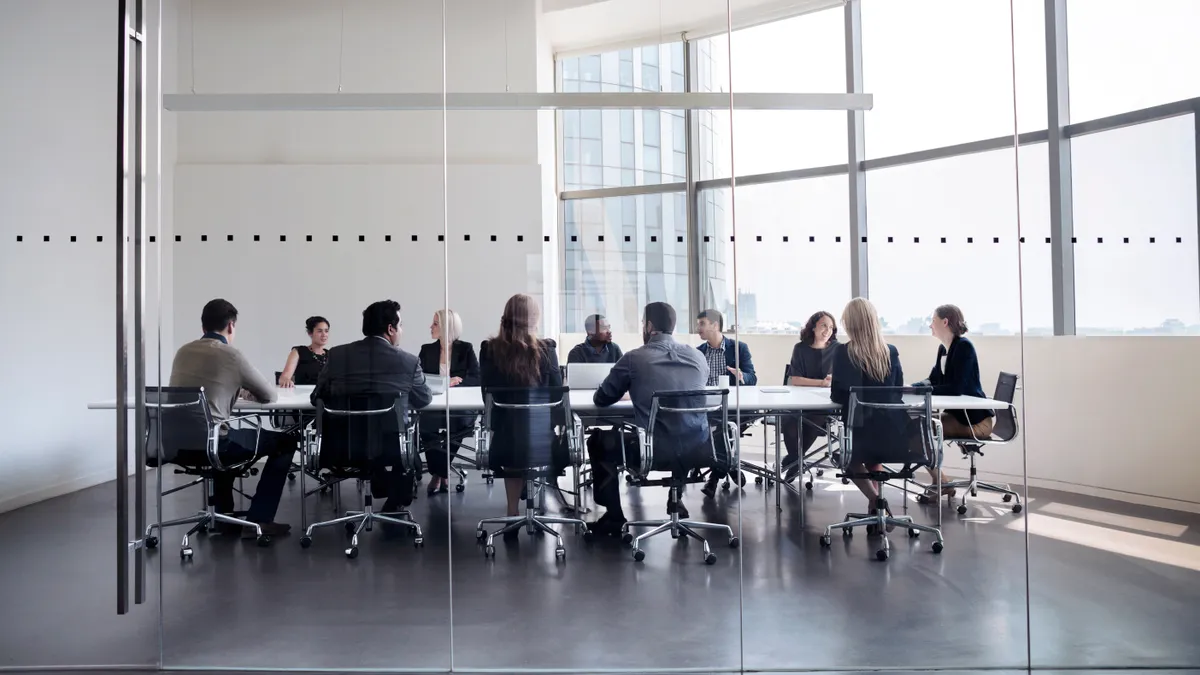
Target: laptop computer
437, 383
587, 375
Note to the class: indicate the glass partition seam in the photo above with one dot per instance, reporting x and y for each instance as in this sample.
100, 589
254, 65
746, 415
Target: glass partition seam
1196, 139
122, 384
445, 306
138, 36
855, 154
158, 294
1058, 115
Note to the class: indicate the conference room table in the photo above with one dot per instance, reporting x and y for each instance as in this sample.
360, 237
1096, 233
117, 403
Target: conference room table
751, 402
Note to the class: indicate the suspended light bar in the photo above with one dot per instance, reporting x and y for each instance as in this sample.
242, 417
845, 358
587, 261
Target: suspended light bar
511, 101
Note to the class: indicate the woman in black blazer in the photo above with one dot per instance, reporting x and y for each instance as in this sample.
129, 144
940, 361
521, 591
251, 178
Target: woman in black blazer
516, 357
449, 357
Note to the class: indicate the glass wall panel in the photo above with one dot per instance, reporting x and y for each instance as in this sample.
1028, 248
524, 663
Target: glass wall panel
1127, 56
941, 71
1135, 224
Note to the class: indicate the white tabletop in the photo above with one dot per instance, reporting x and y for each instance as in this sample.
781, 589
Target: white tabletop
466, 399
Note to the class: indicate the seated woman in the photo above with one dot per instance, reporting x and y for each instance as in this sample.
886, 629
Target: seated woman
449, 357
958, 377
304, 362
864, 361
812, 362
517, 358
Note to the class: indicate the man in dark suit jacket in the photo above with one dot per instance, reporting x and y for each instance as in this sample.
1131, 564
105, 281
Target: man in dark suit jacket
376, 365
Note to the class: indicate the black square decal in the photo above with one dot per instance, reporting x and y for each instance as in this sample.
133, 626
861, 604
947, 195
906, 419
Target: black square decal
414, 237
758, 238
943, 240
73, 239
837, 240
970, 240
890, 240
493, 237
574, 238
283, 237
229, 237
46, 238
600, 238
362, 237
626, 238
1099, 240
257, 238
100, 239
204, 237
785, 238
335, 237
466, 237
916, 240
680, 239
308, 237
653, 239
520, 237
20, 238
387, 237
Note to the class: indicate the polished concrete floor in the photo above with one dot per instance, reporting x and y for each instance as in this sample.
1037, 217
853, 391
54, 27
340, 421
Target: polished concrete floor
1104, 595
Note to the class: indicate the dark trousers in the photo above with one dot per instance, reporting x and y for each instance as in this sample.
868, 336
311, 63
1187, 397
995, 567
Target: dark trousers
799, 436
238, 446
434, 443
395, 486
605, 455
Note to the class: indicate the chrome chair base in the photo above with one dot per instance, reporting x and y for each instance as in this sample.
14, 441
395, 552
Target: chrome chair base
356, 522
678, 528
972, 486
531, 521
200, 521
880, 521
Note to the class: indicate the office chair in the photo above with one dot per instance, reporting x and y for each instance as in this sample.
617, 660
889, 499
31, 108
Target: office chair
541, 436
881, 427
180, 430
1004, 430
363, 434
662, 454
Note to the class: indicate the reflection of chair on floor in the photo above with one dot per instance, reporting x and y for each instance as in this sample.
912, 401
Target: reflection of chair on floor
1004, 430
180, 430
880, 427
360, 437
666, 455
529, 433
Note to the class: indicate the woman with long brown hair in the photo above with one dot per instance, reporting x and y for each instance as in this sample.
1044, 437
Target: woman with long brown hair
516, 357
866, 360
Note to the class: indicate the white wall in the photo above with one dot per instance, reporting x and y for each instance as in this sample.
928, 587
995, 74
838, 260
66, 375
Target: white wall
57, 179
1105, 416
476, 174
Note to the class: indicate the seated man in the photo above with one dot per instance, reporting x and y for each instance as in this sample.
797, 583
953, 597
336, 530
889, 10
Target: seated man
726, 358
212, 362
377, 365
661, 364
598, 347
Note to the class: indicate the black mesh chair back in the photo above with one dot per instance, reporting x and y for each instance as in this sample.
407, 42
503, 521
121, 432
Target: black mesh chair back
890, 425
177, 420
787, 374
689, 429
364, 431
525, 428
1005, 426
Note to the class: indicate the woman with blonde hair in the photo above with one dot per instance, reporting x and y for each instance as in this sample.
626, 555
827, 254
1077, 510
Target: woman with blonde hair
866, 360
455, 360
516, 357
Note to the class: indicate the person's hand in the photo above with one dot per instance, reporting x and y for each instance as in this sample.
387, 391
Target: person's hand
245, 394
286, 382
737, 373
455, 381
828, 381
626, 397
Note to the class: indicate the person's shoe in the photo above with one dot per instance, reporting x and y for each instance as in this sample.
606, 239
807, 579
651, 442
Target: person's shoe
607, 525
268, 529
680, 509
710, 487
444, 488
791, 469
432, 489
391, 506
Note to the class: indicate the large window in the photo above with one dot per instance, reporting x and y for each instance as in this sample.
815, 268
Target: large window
1135, 226
941, 71
621, 253
945, 231
792, 252
1129, 55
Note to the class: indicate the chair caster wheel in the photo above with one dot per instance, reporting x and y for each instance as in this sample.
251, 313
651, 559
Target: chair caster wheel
589, 536
305, 542
480, 534
922, 499
808, 486
937, 547
352, 552
741, 479
324, 489
460, 487
627, 538
263, 540
185, 554
820, 472
710, 559
291, 478
560, 553
881, 554
489, 551
725, 486
913, 533
639, 555
151, 542
848, 532
628, 479
419, 542
845, 481
962, 509
1007, 498
734, 542
489, 480
1016, 508
758, 480
351, 527
826, 541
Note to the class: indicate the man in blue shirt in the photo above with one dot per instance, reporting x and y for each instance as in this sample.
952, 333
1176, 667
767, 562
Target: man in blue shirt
661, 364
728, 360
598, 347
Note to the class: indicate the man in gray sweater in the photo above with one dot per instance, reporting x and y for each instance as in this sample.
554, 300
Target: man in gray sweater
214, 363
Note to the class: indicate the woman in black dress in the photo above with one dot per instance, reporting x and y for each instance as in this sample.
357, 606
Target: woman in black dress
304, 362
516, 357
454, 359
812, 363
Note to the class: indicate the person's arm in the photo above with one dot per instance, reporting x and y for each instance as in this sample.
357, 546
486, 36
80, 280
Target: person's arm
746, 364
419, 395
935, 373
617, 348
575, 355
616, 385
253, 381
843, 377
471, 378
555, 370
289, 369
958, 376
323, 378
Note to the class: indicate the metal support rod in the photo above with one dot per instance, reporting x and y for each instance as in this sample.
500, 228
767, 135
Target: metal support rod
1196, 138
139, 295
1058, 116
691, 126
856, 154
122, 357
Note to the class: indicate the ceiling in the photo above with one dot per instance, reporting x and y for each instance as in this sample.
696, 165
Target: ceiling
581, 25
